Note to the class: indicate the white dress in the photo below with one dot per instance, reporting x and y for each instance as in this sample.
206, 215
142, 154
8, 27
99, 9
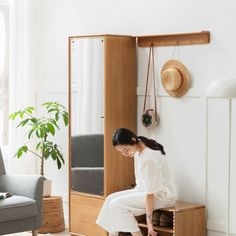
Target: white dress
152, 175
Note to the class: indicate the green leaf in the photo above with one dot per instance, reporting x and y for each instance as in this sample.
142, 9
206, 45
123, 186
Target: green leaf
44, 131
59, 154
51, 128
54, 155
14, 115
22, 114
57, 116
58, 164
21, 150
61, 157
49, 144
34, 120
47, 104
38, 146
52, 109
29, 109
65, 118
11, 115
54, 123
23, 123
38, 134
30, 133
47, 153
24, 148
19, 153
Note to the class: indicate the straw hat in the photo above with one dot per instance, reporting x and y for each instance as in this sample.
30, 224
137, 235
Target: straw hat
175, 78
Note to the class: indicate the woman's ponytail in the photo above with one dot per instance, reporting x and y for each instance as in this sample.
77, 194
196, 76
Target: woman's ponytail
152, 144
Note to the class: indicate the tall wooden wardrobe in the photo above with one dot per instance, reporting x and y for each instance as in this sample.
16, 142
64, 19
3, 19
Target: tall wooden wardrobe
102, 97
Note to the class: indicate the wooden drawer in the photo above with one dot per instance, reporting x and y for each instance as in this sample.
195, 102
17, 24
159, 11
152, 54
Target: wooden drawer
84, 211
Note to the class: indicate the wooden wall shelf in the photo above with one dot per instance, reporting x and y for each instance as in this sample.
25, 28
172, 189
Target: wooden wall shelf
174, 39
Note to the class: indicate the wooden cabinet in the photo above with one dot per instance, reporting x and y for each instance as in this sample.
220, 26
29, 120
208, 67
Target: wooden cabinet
186, 219
113, 63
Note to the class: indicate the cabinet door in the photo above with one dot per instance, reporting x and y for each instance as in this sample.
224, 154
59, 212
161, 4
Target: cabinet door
86, 114
190, 222
84, 211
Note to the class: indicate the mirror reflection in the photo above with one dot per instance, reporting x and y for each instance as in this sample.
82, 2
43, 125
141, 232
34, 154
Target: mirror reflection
87, 152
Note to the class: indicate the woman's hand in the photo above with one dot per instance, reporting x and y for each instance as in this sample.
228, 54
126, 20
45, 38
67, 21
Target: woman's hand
151, 231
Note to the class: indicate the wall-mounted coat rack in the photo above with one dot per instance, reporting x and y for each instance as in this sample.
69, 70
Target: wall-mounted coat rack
174, 39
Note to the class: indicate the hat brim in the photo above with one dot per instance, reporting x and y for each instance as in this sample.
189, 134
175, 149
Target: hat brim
185, 85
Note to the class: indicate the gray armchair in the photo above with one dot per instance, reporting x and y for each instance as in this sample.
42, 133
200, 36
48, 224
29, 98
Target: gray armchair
22, 211
87, 167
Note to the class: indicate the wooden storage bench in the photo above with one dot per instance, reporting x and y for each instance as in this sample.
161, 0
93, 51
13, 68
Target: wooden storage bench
188, 220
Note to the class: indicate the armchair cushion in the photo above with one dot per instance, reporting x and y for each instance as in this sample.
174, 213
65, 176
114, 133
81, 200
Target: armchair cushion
17, 207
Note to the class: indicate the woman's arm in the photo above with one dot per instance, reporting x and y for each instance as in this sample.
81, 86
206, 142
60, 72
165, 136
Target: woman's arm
149, 212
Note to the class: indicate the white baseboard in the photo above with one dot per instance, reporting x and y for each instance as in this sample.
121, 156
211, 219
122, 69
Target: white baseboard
217, 226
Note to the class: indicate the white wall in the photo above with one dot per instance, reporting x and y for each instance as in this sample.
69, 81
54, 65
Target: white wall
182, 127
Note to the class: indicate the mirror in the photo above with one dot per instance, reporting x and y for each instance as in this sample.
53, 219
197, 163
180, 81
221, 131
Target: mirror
86, 111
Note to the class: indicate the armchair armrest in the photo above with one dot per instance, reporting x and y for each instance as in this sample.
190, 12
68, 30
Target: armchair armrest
24, 185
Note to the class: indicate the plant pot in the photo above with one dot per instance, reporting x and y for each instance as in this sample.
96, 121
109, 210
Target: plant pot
47, 188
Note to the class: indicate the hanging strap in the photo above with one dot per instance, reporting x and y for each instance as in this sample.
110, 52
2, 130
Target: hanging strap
149, 60
151, 53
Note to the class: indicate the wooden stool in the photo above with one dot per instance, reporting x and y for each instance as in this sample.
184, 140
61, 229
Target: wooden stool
52, 215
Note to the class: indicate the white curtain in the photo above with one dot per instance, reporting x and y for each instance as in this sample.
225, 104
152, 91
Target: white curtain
21, 79
4, 79
4, 72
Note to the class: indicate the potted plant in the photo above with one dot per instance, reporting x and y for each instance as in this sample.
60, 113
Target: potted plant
42, 129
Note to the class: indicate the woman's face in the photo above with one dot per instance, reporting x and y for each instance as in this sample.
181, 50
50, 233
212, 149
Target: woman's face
126, 150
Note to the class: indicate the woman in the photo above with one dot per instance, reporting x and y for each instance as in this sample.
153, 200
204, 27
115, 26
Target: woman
154, 189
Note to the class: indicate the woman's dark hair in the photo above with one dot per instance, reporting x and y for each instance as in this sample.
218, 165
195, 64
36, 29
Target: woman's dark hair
123, 136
